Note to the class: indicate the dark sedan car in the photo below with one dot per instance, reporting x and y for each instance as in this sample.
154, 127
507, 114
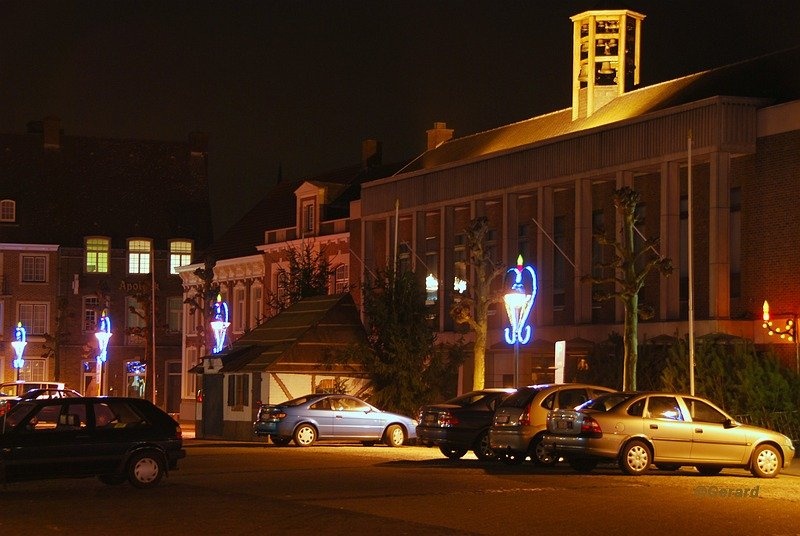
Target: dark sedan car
115, 439
331, 416
461, 424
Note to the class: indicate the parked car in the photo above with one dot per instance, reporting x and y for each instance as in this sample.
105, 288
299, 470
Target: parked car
665, 429
461, 423
331, 416
7, 403
113, 438
20, 387
520, 420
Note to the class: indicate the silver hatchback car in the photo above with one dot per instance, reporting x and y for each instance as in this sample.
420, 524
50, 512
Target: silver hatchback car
520, 420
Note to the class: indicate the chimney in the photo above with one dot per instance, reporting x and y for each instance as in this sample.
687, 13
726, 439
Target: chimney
52, 132
371, 153
438, 135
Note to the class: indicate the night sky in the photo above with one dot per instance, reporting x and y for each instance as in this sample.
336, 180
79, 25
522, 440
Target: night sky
297, 85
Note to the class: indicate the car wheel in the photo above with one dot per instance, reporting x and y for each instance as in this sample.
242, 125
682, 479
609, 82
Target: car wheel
635, 458
541, 456
305, 435
667, 466
766, 462
709, 470
510, 457
145, 469
482, 448
111, 480
280, 441
583, 465
453, 454
394, 436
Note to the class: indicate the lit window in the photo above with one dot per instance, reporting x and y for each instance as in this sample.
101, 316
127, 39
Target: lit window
139, 256
34, 269
91, 304
8, 210
34, 316
97, 250
180, 254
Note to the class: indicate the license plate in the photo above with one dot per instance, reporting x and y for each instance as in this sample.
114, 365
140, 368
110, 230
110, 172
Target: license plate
502, 419
428, 419
564, 425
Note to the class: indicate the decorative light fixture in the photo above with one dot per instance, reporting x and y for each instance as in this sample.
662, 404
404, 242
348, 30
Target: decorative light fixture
519, 302
219, 324
788, 332
103, 334
19, 343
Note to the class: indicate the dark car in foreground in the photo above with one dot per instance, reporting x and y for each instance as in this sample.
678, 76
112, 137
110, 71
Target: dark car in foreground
331, 416
669, 430
520, 420
113, 438
461, 424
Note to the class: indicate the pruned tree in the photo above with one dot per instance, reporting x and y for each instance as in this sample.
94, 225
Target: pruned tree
628, 271
308, 274
143, 309
202, 302
473, 307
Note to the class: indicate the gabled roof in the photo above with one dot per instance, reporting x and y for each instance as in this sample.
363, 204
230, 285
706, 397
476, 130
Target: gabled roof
299, 338
277, 210
773, 77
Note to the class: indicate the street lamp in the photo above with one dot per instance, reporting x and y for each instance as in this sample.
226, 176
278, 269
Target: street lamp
219, 324
519, 301
103, 334
787, 332
19, 343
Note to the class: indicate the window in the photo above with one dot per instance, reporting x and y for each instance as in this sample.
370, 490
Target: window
139, 256
256, 305
8, 210
135, 319
703, 412
238, 390
342, 282
664, 407
34, 268
308, 218
34, 316
239, 318
34, 370
97, 250
175, 313
91, 304
180, 254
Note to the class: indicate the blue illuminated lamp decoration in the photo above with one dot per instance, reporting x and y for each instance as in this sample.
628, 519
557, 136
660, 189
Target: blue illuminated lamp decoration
519, 302
219, 324
19, 342
103, 334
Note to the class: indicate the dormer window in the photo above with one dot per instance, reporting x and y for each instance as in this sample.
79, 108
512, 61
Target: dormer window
139, 255
8, 210
308, 217
97, 250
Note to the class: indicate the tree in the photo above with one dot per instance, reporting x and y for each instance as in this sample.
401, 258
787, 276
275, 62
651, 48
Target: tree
473, 308
53, 342
202, 301
405, 366
629, 270
308, 275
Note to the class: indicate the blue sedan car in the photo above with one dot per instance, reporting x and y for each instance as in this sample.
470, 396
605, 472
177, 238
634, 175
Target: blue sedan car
331, 416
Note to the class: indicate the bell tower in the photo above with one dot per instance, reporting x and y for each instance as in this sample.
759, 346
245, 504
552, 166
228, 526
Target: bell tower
605, 57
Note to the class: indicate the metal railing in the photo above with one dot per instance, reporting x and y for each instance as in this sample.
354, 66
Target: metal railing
785, 422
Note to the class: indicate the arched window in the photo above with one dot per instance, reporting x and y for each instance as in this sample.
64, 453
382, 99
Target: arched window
8, 210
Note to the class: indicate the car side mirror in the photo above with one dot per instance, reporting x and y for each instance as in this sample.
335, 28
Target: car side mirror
730, 423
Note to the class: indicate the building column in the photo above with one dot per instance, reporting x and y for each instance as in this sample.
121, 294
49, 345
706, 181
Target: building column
543, 306
719, 221
583, 250
670, 233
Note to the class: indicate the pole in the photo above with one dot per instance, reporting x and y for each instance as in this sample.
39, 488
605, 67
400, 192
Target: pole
153, 321
691, 268
516, 364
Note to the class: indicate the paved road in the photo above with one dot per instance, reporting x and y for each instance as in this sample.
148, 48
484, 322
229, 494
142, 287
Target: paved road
352, 490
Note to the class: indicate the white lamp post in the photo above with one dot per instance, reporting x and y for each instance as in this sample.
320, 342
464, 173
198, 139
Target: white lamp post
19, 343
219, 324
103, 334
519, 301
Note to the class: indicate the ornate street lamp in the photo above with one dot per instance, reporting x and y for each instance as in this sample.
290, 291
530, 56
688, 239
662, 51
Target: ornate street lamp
519, 301
103, 334
787, 332
219, 324
19, 343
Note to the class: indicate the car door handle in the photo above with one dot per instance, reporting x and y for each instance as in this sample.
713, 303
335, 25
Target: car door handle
654, 427
698, 430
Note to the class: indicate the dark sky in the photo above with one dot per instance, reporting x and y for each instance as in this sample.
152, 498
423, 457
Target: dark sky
299, 84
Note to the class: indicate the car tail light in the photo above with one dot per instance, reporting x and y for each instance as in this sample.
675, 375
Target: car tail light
525, 418
447, 419
178, 432
591, 427
4, 407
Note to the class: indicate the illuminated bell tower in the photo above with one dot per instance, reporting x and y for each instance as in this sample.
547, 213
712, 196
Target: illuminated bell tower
605, 57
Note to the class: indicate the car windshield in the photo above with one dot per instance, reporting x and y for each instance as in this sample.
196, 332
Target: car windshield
605, 402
